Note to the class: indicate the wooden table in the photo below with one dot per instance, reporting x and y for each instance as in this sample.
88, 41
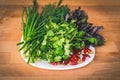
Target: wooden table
105, 66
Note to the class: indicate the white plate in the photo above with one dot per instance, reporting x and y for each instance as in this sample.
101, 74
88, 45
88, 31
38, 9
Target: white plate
45, 65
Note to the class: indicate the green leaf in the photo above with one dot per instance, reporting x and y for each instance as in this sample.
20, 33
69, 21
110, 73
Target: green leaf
50, 33
60, 42
55, 44
55, 38
47, 26
82, 44
65, 57
43, 47
51, 60
61, 32
44, 56
84, 20
59, 51
53, 25
67, 49
57, 58
73, 21
93, 40
20, 43
65, 24
81, 33
44, 42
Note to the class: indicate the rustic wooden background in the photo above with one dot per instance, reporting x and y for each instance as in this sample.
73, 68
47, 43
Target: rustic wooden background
106, 65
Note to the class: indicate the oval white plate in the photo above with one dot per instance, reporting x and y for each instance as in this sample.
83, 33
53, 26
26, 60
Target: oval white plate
46, 65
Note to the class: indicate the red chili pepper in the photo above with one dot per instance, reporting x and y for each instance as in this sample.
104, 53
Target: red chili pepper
74, 59
84, 57
87, 50
54, 63
73, 62
65, 62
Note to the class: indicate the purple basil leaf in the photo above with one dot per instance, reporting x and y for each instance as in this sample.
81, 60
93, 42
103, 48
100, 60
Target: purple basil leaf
96, 29
99, 29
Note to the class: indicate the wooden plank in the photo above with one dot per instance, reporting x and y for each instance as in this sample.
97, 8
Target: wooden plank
5, 57
95, 69
68, 2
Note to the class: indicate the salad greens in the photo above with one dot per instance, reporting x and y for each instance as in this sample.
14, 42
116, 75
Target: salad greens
51, 34
59, 40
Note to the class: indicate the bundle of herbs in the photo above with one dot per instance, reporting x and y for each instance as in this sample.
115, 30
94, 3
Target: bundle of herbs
55, 32
83, 25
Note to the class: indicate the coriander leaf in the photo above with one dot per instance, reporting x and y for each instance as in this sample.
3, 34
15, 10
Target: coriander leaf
57, 58
50, 33
65, 57
59, 51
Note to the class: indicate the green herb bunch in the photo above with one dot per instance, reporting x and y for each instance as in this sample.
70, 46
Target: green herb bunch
48, 35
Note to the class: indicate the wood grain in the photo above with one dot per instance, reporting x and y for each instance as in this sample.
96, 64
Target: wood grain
106, 65
68, 2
